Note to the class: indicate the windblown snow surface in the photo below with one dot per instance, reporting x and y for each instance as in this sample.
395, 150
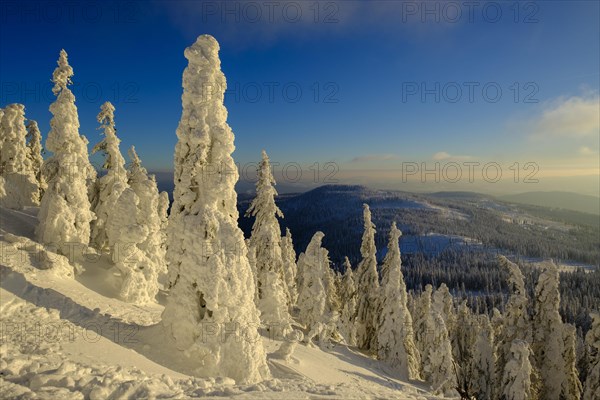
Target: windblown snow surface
65, 335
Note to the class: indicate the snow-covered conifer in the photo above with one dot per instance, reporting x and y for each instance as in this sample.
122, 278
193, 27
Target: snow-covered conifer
463, 334
516, 323
109, 187
126, 231
571, 388
21, 188
348, 295
312, 294
483, 362
288, 255
135, 236
65, 212
592, 340
368, 287
266, 241
443, 303
395, 331
332, 304
517, 377
421, 320
548, 333
34, 145
210, 278
438, 364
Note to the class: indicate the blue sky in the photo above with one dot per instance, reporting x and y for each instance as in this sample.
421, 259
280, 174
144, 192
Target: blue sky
378, 80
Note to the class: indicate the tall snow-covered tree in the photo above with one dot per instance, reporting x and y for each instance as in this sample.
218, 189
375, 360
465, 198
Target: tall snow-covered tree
65, 212
332, 303
210, 277
348, 295
421, 320
548, 333
395, 332
483, 362
516, 322
463, 334
135, 237
21, 188
109, 187
331, 283
438, 364
368, 287
314, 304
571, 388
592, 340
127, 230
443, 303
288, 255
153, 209
34, 145
517, 378
266, 241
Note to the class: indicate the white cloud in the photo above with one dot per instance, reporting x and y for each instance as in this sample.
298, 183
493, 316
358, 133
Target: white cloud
586, 151
373, 158
569, 117
442, 155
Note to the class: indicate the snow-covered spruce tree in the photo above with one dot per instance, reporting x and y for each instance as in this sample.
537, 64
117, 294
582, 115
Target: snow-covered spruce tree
463, 335
421, 320
348, 295
516, 323
548, 333
443, 303
126, 231
34, 145
312, 296
109, 187
210, 278
571, 388
288, 255
592, 340
21, 188
395, 331
266, 240
153, 209
516, 382
65, 212
134, 231
332, 304
497, 320
368, 287
483, 362
438, 364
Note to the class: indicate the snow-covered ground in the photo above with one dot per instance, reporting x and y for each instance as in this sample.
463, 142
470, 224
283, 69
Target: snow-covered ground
69, 337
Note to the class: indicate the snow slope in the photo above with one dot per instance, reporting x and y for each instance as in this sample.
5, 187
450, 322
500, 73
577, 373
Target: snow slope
71, 338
